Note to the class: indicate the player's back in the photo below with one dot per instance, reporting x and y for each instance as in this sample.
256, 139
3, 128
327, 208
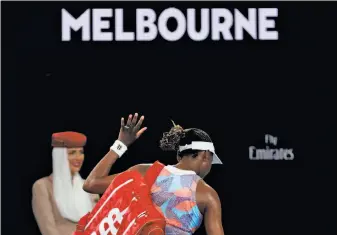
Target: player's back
174, 194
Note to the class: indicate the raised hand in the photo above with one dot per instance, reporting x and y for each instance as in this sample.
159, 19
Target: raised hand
131, 131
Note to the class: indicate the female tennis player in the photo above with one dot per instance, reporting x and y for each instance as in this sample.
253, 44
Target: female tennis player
179, 193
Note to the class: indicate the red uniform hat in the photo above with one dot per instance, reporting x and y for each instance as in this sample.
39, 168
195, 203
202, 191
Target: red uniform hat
68, 139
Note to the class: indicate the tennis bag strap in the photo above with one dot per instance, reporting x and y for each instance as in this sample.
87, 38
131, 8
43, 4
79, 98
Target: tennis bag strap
154, 224
152, 173
155, 228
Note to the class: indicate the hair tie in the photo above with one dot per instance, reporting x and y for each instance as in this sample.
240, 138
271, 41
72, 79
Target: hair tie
178, 127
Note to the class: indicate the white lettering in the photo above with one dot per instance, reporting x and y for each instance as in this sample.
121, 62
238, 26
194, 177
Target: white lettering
119, 28
265, 24
251, 152
242, 23
191, 24
269, 139
290, 154
221, 23
113, 217
108, 198
99, 24
69, 22
181, 24
270, 154
143, 23
224, 27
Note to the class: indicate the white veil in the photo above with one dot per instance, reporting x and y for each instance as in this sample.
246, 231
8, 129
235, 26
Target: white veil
72, 201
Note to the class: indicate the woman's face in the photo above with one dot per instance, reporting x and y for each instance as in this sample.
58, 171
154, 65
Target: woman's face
76, 158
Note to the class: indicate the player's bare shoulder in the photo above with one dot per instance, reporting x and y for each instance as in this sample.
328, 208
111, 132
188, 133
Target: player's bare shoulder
205, 194
205, 188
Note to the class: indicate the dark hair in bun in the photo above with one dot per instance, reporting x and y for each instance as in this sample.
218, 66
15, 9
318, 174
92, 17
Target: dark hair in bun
177, 136
171, 139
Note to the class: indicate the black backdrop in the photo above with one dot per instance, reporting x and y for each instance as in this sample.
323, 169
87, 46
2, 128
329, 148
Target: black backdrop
236, 91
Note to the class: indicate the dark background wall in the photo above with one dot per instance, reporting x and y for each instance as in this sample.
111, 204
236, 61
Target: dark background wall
236, 91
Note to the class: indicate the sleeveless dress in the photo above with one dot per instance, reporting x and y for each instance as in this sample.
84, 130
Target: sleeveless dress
173, 194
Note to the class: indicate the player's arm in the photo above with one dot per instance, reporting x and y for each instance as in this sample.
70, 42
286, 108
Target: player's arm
212, 215
99, 180
98, 185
